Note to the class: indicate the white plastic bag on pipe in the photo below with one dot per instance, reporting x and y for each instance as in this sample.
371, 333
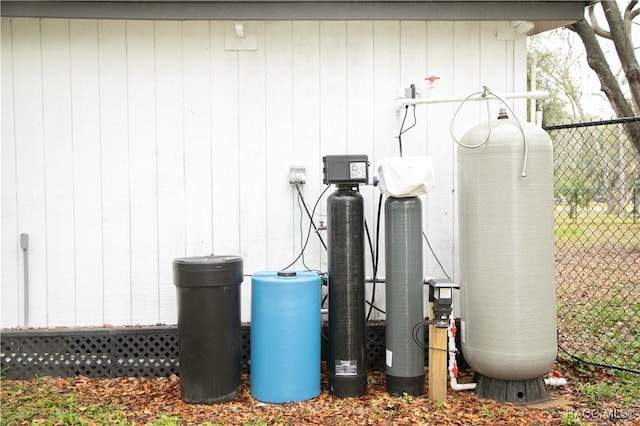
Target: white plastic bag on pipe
402, 177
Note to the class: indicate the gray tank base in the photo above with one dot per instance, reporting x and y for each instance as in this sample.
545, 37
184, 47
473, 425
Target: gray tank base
519, 392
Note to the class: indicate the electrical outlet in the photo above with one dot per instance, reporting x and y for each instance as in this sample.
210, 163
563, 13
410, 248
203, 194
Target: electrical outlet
411, 92
297, 174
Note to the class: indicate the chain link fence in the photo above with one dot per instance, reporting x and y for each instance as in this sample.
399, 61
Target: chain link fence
597, 234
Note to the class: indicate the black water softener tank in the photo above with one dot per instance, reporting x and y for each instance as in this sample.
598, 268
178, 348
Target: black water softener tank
208, 293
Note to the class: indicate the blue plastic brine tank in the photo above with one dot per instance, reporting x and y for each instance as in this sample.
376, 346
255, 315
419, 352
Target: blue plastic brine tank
285, 336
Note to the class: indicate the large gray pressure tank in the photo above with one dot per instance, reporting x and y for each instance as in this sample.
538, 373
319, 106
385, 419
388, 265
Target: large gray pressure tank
507, 278
403, 269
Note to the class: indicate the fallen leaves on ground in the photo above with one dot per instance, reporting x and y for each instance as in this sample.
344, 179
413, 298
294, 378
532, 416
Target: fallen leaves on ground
145, 400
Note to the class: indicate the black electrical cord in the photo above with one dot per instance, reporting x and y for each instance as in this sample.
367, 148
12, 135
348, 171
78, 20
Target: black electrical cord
584, 361
310, 215
308, 230
301, 250
421, 345
374, 252
371, 305
434, 255
414, 334
371, 250
401, 132
375, 259
300, 201
304, 204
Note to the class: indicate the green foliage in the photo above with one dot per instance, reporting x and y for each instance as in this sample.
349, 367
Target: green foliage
557, 72
165, 420
594, 166
594, 392
33, 402
571, 419
258, 422
440, 406
484, 411
576, 192
626, 390
404, 397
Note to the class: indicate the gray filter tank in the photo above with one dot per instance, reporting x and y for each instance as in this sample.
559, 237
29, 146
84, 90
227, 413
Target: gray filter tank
507, 278
403, 264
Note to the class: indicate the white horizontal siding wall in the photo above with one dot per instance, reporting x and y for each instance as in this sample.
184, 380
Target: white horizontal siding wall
127, 144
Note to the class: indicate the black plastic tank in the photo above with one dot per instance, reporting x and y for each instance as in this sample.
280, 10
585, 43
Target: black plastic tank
347, 339
209, 342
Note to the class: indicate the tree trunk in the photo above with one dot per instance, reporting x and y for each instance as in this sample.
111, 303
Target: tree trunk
635, 199
622, 42
608, 83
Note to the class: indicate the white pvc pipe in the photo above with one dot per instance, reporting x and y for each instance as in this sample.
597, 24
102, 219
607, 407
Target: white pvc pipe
461, 386
381, 279
453, 381
536, 94
555, 381
24, 245
534, 86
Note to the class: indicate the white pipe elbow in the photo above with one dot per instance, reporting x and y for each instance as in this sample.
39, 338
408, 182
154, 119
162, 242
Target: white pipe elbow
461, 386
555, 381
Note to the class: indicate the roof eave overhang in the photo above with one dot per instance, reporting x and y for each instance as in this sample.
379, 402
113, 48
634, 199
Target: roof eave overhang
553, 13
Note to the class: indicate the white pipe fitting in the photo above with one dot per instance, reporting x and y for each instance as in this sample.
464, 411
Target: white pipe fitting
461, 386
555, 381
536, 94
453, 382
